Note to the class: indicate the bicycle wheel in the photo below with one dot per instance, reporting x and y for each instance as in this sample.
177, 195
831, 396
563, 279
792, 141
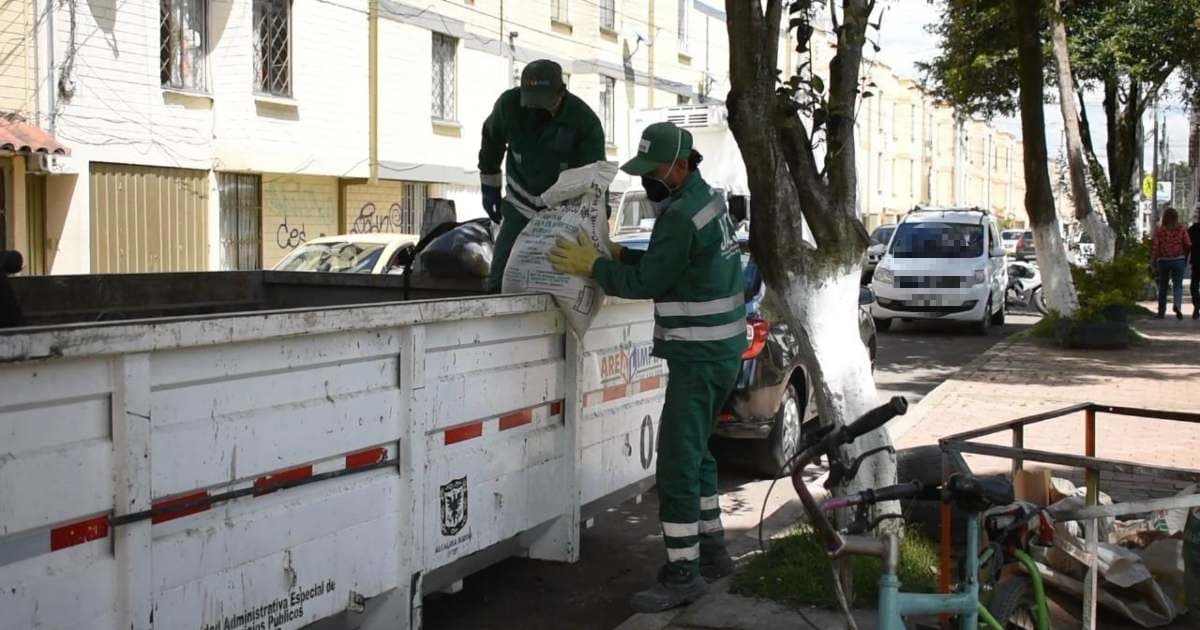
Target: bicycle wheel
1013, 604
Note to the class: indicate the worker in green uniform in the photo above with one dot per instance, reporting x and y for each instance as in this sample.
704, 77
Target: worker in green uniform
692, 269
540, 130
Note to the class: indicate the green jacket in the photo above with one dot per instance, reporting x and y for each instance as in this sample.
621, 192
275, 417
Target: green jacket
536, 151
692, 270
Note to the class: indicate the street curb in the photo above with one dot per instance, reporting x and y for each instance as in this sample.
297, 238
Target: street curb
915, 416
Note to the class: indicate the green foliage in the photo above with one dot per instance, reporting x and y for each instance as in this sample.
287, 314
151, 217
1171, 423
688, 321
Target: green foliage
976, 66
1121, 281
796, 571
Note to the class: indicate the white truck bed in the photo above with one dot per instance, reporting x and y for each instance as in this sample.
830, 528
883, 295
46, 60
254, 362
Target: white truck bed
415, 442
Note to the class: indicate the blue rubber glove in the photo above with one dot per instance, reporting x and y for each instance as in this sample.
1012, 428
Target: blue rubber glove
491, 202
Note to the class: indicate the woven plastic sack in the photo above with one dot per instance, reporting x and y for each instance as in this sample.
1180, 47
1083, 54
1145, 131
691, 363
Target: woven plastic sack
576, 202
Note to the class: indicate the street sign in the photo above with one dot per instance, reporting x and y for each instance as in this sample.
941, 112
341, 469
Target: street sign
1147, 186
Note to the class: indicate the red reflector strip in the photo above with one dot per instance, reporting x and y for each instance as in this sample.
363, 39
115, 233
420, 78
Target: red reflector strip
281, 477
556, 408
78, 533
647, 384
514, 420
366, 458
613, 393
725, 417
463, 433
179, 500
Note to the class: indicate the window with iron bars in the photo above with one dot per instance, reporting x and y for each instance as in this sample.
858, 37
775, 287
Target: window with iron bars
558, 11
183, 44
608, 15
608, 114
273, 47
445, 59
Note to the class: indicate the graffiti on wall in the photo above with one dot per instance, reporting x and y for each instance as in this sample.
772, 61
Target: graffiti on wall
290, 237
369, 220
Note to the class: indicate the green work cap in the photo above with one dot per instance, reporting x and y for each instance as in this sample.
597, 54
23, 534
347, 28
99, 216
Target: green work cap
541, 83
661, 143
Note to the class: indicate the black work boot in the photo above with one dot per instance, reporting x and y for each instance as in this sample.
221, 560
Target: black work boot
676, 587
715, 562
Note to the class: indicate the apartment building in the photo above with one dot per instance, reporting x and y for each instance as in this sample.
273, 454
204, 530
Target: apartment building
221, 134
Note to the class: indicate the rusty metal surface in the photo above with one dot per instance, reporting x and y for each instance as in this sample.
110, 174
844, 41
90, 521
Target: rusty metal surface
18, 136
1076, 461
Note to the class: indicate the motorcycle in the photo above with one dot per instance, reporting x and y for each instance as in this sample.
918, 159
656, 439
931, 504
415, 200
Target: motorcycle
1025, 286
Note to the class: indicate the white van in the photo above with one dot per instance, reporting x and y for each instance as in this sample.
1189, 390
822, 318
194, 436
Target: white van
945, 264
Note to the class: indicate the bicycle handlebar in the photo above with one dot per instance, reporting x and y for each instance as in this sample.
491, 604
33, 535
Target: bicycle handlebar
828, 443
877, 417
897, 492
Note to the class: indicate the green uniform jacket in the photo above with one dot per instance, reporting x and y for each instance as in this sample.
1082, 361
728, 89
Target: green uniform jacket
693, 271
536, 151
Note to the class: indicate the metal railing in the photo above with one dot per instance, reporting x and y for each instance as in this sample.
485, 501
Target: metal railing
954, 446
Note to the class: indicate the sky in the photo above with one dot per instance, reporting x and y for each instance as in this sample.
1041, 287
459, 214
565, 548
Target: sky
905, 42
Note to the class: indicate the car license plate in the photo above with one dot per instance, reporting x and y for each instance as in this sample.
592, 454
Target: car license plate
928, 300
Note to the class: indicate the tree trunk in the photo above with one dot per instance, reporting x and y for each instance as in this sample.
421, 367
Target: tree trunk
1039, 198
818, 288
1194, 152
1093, 223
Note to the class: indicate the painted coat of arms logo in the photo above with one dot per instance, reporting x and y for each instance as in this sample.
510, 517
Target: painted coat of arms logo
454, 506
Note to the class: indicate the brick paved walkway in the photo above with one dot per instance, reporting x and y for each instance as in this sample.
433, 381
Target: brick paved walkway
1024, 377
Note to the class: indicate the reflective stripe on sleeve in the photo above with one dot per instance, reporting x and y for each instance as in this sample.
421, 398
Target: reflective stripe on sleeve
491, 179
707, 213
694, 309
684, 554
701, 333
680, 530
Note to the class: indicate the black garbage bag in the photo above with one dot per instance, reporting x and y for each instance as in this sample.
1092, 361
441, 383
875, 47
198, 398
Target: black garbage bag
457, 250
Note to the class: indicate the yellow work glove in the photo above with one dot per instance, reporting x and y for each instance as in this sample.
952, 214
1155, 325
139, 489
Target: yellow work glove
574, 257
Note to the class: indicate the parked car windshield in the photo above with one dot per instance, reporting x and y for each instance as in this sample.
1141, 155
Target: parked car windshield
933, 239
882, 234
346, 257
1010, 235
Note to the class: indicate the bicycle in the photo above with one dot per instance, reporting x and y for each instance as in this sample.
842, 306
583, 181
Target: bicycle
974, 495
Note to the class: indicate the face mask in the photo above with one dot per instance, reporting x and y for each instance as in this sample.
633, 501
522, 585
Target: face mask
656, 189
541, 115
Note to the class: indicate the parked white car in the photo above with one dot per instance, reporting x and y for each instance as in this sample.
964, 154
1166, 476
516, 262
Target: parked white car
1010, 238
942, 264
348, 253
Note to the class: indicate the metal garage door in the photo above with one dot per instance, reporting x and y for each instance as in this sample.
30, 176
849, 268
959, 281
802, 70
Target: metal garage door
147, 219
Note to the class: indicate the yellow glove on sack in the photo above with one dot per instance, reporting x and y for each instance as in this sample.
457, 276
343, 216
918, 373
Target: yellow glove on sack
575, 258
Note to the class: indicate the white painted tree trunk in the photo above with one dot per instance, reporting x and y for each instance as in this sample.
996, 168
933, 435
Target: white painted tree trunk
1055, 269
826, 310
1102, 236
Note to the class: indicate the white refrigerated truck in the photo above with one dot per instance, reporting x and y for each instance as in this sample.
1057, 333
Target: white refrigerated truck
272, 450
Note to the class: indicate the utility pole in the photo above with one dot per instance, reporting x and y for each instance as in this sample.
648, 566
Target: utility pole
1154, 173
373, 88
650, 52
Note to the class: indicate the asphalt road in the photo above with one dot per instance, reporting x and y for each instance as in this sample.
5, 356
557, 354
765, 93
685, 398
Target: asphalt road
621, 553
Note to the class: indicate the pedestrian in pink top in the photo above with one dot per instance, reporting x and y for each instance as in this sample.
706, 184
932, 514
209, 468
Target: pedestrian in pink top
1169, 252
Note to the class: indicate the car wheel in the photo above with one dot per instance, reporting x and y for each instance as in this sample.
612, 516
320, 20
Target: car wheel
998, 318
882, 325
981, 327
1038, 299
773, 455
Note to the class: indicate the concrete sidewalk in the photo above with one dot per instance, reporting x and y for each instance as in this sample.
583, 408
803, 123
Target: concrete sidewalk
1020, 377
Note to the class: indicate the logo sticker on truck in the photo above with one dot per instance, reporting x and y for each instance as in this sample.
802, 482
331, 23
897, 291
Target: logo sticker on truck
628, 363
454, 506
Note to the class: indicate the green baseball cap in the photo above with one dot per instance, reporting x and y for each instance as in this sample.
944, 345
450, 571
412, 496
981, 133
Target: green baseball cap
541, 83
661, 143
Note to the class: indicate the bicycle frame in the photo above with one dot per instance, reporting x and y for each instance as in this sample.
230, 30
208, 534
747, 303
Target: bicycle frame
895, 605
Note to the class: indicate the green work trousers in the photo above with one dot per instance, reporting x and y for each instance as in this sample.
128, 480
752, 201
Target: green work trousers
510, 228
686, 474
